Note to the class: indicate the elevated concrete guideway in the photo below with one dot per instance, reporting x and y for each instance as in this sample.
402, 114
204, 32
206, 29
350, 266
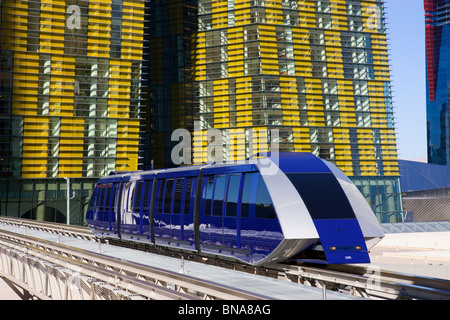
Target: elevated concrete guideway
418, 253
259, 285
70, 267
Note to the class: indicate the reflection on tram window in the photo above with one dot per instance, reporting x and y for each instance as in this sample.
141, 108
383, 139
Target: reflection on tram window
233, 195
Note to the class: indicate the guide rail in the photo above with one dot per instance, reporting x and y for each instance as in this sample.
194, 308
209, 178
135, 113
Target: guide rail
51, 270
367, 281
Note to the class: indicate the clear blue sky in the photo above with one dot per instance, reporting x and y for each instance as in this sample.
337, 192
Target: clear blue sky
406, 45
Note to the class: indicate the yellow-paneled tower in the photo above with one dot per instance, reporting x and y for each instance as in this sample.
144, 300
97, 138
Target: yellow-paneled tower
70, 93
74, 65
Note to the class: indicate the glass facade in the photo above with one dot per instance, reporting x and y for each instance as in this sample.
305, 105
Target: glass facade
74, 75
45, 199
172, 93
437, 32
70, 99
316, 71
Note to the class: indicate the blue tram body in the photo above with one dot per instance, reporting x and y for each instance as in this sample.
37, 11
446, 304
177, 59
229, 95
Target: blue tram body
264, 210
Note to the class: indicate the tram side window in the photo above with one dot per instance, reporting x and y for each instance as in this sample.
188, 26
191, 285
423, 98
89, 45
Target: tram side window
168, 195
137, 196
232, 195
131, 196
159, 196
109, 191
101, 198
263, 203
127, 195
248, 191
219, 191
93, 200
147, 195
207, 190
178, 195
190, 188
120, 196
113, 197
313, 188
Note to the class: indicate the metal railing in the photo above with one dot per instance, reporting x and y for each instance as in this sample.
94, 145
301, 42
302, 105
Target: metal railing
363, 281
49, 270
370, 282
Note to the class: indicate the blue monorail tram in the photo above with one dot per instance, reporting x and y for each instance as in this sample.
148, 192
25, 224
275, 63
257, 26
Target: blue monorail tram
267, 209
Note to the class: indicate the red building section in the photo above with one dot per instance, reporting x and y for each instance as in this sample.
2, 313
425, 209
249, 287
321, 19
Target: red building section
433, 45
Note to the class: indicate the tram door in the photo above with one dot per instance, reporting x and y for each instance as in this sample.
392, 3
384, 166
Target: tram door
205, 210
163, 203
146, 201
119, 195
127, 220
219, 225
231, 226
187, 209
175, 218
216, 218
225, 210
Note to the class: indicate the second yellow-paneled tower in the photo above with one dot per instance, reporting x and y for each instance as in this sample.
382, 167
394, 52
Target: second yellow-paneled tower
312, 75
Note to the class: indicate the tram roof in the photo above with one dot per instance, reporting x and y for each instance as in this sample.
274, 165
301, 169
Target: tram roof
289, 162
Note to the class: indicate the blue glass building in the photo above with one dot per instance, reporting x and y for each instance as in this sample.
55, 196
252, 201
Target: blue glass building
437, 30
